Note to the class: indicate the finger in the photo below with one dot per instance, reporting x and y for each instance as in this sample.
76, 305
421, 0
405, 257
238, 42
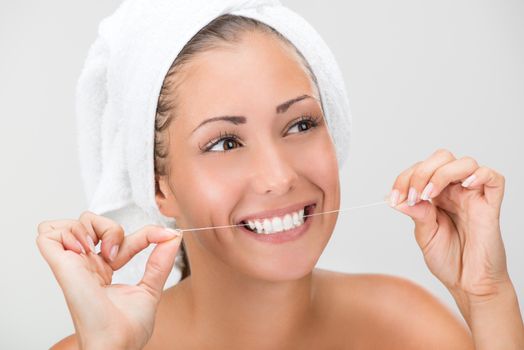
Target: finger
52, 243
451, 172
418, 183
399, 189
138, 241
51, 225
492, 181
159, 265
69, 242
426, 218
101, 228
72, 226
61, 240
82, 235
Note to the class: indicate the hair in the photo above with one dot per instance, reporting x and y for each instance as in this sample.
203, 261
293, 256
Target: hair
221, 31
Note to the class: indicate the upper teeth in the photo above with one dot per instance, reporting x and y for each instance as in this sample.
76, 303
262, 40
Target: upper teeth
277, 224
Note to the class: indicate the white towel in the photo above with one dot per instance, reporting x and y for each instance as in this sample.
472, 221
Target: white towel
118, 89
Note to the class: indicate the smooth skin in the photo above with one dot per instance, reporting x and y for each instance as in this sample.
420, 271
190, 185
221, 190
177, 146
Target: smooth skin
245, 294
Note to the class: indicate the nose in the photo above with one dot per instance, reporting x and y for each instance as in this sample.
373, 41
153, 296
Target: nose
275, 171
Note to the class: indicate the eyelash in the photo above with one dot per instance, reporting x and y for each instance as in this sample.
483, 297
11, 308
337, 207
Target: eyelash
314, 122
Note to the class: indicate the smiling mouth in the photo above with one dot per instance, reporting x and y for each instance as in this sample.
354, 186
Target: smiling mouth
275, 225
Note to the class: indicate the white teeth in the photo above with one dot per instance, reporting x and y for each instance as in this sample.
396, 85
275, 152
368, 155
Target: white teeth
258, 226
296, 220
288, 222
277, 224
267, 226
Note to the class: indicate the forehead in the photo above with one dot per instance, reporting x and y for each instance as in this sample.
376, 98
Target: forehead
258, 72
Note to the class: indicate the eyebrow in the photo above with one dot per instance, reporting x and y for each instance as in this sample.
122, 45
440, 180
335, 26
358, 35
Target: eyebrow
239, 119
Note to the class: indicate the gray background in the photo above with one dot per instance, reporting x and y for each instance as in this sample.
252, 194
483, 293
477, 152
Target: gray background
420, 74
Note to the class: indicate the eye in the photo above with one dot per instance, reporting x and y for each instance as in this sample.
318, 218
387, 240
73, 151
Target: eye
305, 121
227, 142
226, 139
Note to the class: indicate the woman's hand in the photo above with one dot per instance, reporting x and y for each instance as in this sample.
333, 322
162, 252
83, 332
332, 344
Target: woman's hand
107, 316
455, 204
458, 229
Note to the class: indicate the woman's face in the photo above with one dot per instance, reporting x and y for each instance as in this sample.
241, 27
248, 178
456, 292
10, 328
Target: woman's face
266, 158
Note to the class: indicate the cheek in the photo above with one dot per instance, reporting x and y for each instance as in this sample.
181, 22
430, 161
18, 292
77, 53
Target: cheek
323, 173
207, 192
320, 164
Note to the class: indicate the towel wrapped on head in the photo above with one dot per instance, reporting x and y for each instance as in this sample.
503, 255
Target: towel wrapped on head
119, 87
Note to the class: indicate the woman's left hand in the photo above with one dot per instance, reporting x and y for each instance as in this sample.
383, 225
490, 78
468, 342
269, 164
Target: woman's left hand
458, 230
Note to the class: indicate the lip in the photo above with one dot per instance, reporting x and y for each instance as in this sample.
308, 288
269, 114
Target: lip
276, 212
284, 236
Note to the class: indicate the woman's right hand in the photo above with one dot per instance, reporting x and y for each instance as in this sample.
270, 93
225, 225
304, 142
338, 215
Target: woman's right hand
107, 316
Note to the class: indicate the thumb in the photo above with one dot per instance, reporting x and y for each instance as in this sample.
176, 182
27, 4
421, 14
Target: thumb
159, 265
424, 215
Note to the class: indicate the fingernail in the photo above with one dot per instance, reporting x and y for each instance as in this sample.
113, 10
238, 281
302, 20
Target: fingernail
173, 232
81, 247
469, 180
91, 243
426, 192
393, 197
112, 253
412, 196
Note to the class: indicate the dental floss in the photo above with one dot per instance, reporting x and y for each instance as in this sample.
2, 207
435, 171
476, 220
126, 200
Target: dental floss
326, 212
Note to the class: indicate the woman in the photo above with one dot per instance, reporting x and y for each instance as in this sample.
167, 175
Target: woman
248, 290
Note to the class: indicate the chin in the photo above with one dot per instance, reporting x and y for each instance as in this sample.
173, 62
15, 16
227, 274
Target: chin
285, 262
288, 268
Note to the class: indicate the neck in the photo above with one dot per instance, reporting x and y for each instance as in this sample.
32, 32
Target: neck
225, 304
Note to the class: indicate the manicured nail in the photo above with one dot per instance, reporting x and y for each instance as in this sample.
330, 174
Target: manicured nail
81, 247
91, 244
393, 197
469, 180
426, 192
412, 196
114, 250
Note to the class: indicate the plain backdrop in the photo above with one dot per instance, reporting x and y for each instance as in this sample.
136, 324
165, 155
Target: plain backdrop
421, 75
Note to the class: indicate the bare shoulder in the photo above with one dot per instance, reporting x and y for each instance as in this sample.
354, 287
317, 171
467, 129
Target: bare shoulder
68, 343
391, 312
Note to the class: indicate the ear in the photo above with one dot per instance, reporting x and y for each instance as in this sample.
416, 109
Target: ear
165, 198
